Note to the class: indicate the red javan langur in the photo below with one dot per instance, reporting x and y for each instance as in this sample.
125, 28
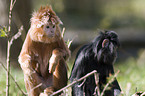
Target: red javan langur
44, 54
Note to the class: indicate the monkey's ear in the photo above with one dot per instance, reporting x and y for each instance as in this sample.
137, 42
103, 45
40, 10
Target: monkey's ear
60, 22
105, 43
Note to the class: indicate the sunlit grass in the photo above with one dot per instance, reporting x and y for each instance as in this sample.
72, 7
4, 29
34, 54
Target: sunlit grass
14, 91
131, 77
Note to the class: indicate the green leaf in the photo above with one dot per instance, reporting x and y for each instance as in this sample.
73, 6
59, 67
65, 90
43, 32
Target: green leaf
3, 32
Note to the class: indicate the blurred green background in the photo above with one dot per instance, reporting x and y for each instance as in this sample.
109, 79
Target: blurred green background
83, 19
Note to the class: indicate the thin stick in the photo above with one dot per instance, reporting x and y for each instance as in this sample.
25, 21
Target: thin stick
8, 48
74, 82
82, 83
109, 82
13, 80
10, 15
35, 87
8, 69
62, 34
97, 84
16, 36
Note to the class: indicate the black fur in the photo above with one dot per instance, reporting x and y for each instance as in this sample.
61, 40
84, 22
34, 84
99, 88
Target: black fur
99, 56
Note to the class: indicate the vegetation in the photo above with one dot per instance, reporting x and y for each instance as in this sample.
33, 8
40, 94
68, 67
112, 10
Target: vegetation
131, 77
14, 91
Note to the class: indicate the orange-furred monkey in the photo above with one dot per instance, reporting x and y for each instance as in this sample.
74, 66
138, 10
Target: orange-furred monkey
43, 54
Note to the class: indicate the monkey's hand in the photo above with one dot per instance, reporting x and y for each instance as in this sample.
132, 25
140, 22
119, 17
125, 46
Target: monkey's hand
24, 61
52, 63
54, 60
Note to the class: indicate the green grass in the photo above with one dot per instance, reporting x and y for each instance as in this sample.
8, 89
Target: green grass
14, 91
131, 77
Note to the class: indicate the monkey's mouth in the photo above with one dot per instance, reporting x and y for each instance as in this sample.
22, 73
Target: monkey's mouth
50, 35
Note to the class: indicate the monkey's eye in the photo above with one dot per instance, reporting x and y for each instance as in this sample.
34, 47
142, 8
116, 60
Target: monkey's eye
53, 26
47, 26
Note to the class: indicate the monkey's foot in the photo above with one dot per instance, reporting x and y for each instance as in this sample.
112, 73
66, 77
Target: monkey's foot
43, 94
47, 92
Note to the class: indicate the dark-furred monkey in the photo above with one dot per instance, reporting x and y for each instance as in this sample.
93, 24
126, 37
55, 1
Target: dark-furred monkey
99, 55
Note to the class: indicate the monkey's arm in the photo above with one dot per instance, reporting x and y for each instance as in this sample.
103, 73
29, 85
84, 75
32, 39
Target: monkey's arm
32, 77
64, 49
24, 60
24, 57
28, 65
58, 54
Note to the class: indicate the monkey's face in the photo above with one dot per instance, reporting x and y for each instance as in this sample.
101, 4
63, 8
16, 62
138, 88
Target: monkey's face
106, 47
49, 29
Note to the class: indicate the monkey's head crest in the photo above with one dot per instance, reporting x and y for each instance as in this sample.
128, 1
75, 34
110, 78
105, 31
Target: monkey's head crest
45, 15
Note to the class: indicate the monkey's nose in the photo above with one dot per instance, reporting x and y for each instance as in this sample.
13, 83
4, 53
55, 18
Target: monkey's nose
105, 43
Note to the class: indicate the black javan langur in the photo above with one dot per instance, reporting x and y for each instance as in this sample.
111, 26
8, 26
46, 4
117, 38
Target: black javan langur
98, 55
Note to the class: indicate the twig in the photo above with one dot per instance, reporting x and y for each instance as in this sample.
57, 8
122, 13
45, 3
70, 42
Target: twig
8, 48
13, 4
97, 84
35, 87
62, 34
8, 57
82, 83
10, 15
74, 82
109, 82
13, 80
71, 42
16, 36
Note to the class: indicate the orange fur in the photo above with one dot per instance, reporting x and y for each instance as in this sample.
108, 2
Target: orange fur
42, 58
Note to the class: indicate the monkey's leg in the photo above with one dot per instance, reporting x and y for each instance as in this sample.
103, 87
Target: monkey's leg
33, 82
59, 77
33, 89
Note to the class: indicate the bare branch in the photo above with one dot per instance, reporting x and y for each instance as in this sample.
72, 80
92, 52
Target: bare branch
8, 48
97, 84
109, 82
62, 34
13, 4
70, 42
82, 83
13, 80
74, 82
10, 15
35, 87
16, 36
